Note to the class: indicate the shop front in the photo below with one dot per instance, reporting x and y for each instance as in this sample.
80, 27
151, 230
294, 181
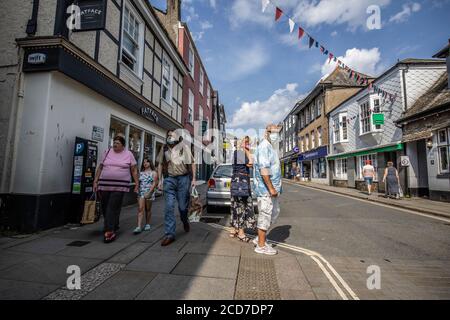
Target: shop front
313, 165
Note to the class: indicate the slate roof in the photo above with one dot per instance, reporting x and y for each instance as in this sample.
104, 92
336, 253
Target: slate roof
438, 96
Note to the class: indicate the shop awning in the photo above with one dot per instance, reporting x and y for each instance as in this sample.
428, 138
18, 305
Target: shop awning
396, 147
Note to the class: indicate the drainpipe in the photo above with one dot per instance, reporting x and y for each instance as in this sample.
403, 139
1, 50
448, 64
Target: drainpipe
32, 23
405, 101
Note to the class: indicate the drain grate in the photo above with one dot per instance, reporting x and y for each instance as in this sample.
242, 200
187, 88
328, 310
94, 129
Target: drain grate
78, 244
257, 280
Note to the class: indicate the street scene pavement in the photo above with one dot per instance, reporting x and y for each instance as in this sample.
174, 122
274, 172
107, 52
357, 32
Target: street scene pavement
326, 243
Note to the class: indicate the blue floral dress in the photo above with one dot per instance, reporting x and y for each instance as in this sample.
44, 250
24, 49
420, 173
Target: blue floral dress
145, 184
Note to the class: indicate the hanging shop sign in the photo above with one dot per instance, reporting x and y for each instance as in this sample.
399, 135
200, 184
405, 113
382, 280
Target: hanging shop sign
91, 15
405, 162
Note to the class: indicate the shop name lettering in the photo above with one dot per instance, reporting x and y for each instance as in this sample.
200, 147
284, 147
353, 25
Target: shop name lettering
149, 113
74, 20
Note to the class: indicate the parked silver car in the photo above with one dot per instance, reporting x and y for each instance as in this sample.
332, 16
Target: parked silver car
218, 194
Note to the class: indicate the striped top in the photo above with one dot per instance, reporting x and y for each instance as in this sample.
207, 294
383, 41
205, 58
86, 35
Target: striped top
116, 172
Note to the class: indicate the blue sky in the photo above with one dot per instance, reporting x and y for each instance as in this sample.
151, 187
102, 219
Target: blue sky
260, 69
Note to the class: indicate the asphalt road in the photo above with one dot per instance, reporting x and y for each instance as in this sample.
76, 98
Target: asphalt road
411, 251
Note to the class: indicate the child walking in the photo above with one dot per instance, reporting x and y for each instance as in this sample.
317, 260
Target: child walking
148, 182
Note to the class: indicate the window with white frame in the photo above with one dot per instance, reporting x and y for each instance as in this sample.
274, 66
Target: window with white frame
313, 139
444, 150
302, 148
132, 40
307, 142
307, 116
302, 119
319, 136
364, 117
202, 77
191, 107
208, 95
166, 92
362, 162
336, 130
340, 169
343, 122
191, 61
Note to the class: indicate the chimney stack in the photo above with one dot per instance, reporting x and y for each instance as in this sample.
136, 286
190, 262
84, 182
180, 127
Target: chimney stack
174, 10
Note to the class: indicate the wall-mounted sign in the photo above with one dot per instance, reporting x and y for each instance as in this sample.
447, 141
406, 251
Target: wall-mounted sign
37, 58
296, 150
91, 14
405, 162
98, 133
378, 119
149, 113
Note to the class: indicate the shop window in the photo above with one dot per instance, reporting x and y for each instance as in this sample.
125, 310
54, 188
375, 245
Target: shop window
444, 150
323, 168
135, 143
362, 162
132, 40
340, 169
315, 168
148, 146
117, 128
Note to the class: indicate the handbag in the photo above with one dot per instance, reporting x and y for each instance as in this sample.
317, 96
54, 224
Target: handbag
240, 186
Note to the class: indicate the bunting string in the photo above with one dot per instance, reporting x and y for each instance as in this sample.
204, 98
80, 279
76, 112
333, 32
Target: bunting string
312, 42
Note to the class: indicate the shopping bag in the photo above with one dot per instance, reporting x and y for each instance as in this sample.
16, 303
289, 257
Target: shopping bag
91, 212
196, 207
400, 191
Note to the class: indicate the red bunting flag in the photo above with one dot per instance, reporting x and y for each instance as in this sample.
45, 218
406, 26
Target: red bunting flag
278, 14
301, 32
322, 49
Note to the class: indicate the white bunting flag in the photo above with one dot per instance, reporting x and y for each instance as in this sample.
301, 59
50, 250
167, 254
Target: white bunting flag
265, 3
291, 25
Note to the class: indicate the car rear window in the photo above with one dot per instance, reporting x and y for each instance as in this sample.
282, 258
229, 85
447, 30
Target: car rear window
223, 172
227, 172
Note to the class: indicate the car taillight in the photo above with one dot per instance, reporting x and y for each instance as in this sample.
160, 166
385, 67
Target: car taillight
211, 184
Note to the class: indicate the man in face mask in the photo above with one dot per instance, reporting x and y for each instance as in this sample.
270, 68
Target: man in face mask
267, 186
176, 165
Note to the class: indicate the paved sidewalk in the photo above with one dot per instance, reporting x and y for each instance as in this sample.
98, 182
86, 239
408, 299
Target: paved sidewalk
202, 264
441, 209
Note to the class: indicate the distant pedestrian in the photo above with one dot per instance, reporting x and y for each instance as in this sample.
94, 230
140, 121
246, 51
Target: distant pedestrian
267, 186
148, 183
112, 181
242, 215
369, 175
392, 180
177, 167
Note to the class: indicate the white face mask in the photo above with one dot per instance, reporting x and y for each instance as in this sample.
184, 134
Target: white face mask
273, 137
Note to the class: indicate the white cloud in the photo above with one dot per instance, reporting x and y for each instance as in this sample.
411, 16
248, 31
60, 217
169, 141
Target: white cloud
205, 25
407, 11
310, 13
213, 4
334, 33
361, 60
258, 114
248, 11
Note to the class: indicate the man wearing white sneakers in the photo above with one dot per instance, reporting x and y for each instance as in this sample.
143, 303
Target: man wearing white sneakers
267, 187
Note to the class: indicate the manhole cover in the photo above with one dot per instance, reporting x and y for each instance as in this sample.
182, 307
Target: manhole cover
78, 243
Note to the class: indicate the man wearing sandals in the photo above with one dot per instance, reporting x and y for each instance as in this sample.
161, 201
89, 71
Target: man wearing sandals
267, 186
